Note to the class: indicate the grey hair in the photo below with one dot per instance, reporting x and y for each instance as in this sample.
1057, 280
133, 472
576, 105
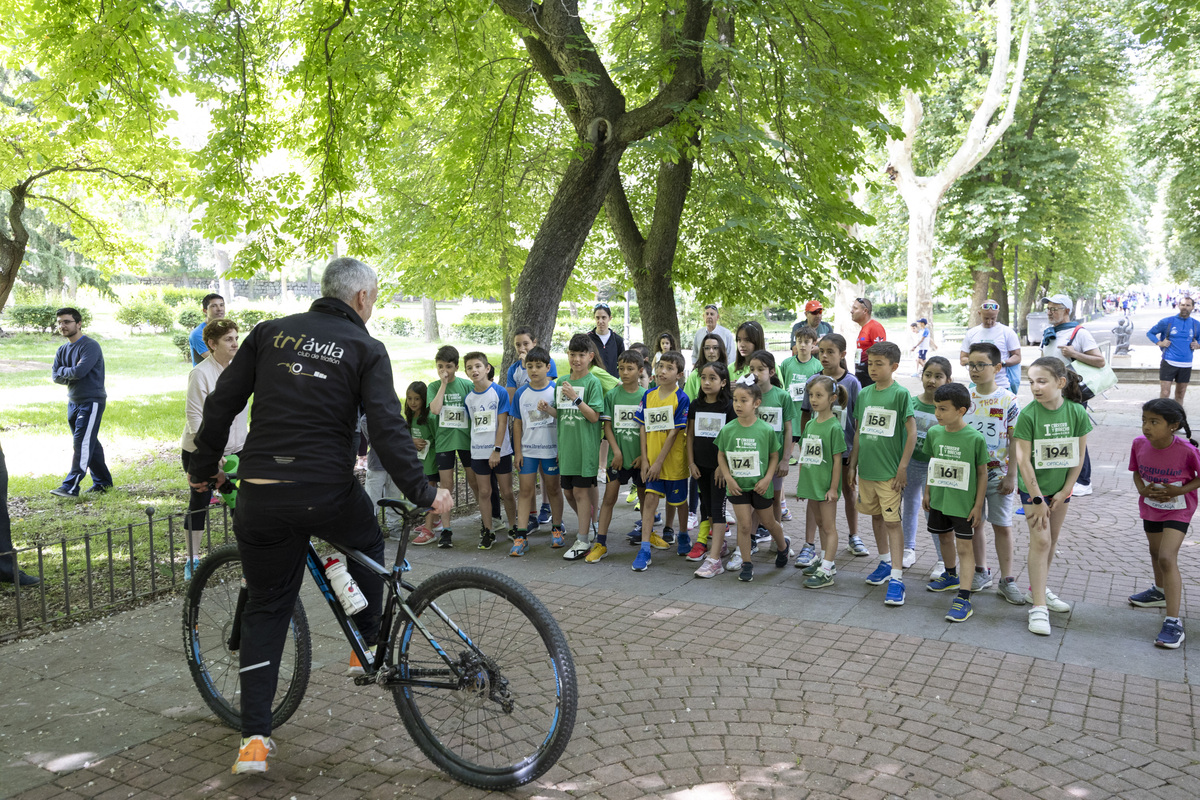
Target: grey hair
346, 277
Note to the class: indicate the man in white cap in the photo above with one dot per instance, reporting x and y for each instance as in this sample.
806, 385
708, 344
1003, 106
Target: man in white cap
1068, 341
712, 316
999, 334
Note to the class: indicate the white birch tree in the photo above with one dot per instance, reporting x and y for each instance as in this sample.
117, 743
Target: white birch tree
923, 194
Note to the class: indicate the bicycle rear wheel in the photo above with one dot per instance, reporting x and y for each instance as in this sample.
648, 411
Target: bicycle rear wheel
512, 717
211, 637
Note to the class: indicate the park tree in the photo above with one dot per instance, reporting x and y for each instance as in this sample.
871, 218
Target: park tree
924, 194
83, 123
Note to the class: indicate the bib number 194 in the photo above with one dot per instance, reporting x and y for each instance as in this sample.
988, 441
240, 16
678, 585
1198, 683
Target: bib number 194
1056, 453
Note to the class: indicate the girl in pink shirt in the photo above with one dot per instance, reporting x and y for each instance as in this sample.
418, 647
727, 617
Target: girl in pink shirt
1166, 471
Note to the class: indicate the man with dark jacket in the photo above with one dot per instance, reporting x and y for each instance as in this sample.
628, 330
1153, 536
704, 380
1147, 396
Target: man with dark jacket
609, 341
309, 374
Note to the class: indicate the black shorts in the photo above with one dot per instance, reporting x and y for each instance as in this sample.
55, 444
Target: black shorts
1026, 497
483, 467
434, 478
570, 482
446, 460
1170, 373
622, 476
944, 523
754, 499
1157, 527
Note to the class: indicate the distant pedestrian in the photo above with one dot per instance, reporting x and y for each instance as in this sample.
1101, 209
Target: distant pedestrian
989, 331
712, 318
813, 311
1179, 339
79, 365
214, 309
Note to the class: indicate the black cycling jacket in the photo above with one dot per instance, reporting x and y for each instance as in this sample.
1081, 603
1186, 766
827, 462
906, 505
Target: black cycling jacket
310, 373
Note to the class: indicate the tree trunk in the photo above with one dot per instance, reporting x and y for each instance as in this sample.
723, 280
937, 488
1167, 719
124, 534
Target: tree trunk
844, 294
224, 285
982, 281
12, 250
922, 221
1000, 291
429, 317
563, 231
505, 304
70, 281
1031, 292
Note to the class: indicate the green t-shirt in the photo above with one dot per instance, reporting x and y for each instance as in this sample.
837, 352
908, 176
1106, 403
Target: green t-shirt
956, 460
776, 410
881, 414
691, 387
748, 451
923, 414
819, 449
452, 430
1055, 442
794, 374
428, 431
607, 380
620, 407
578, 439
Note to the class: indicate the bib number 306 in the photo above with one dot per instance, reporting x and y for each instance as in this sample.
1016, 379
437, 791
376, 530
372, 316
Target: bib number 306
1056, 453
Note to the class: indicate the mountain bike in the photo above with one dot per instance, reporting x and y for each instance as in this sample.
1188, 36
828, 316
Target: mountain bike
480, 671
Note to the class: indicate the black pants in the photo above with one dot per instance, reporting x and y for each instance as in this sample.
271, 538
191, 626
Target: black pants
8, 564
273, 525
198, 502
88, 454
712, 497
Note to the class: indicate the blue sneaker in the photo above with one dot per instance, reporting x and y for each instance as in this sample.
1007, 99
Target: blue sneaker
943, 583
533, 523
658, 519
881, 575
642, 559
683, 544
544, 514
960, 610
520, 547
190, 567
895, 594
1151, 598
1171, 635
1021, 510
635, 535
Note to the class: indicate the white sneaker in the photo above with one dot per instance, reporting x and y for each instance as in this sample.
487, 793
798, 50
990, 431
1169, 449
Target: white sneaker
1081, 491
787, 542
939, 569
577, 550
693, 522
711, 568
1039, 621
1052, 602
735, 562
910, 557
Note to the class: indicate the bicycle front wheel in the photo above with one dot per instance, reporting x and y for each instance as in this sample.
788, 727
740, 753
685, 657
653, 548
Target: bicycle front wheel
212, 639
510, 716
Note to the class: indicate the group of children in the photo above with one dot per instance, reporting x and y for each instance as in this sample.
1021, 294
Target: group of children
954, 452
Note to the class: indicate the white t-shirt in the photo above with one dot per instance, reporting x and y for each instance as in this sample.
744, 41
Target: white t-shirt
201, 381
539, 433
604, 337
999, 334
993, 415
483, 416
1083, 342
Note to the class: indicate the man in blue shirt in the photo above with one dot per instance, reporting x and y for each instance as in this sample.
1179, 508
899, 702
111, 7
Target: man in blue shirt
214, 309
1179, 337
79, 365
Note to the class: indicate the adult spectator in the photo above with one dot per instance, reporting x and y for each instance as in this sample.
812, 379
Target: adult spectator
990, 331
296, 469
812, 319
79, 365
1179, 338
712, 318
1068, 341
607, 340
869, 334
214, 309
9, 572
221, 340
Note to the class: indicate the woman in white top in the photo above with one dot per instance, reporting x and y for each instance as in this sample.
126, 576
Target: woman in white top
221, 337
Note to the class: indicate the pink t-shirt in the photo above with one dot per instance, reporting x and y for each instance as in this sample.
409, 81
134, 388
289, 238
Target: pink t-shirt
1179, 464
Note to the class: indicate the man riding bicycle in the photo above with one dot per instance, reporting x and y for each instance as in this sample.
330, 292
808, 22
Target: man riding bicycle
310, 374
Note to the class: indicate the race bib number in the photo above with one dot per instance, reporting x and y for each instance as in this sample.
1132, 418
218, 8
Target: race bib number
949, 474
879, 421
925, 421
709, 424
990, 428
538, 419
423, 453
744, 465
772, 416
560, 399
484, 421
1177, 503
659, 420
811, 450
454, 417
796, 390
1056, 453
625, 417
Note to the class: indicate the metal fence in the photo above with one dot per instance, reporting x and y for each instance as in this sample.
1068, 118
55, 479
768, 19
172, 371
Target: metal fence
90, 575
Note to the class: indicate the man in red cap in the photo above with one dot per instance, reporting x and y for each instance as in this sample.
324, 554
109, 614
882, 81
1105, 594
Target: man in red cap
812, 319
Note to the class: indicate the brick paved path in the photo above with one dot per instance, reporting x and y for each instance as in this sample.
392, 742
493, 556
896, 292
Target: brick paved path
689, 689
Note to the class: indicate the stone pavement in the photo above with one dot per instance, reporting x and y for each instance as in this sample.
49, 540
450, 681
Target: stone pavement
693, 690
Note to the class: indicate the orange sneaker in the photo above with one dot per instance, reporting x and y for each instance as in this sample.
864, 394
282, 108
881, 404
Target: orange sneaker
424, 535
356, 666
252, 757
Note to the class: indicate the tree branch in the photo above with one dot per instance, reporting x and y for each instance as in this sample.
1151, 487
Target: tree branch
100, 237
624, 226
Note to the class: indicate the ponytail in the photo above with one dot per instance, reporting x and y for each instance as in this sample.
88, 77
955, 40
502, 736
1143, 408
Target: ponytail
838, 341
1073, 390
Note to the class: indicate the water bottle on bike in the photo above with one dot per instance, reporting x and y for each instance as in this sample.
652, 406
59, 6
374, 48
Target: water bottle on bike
345, 587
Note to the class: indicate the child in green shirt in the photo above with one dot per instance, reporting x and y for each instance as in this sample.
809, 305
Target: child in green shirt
423, 426
623, 434
578, 402
448, 402
795, 371
820, 476
957, 483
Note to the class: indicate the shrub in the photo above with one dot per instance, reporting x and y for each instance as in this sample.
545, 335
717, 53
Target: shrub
42, 318
189, 318
180, 340
491, 332
160, 316
175, 297
247, 318
145, 311
403, 326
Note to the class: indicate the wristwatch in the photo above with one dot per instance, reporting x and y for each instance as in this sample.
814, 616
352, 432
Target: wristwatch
577, 401
1036, 500
497, 449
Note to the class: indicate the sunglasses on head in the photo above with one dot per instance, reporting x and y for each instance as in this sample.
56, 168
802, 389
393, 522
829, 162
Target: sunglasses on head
990, 306
600, 306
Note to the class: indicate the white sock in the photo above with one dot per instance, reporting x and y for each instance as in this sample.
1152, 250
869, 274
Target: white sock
827, 565
1154, 587
897, 574
886, 558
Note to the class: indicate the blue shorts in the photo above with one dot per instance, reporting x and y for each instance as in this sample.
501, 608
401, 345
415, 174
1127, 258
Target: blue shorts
549, 466
675, 491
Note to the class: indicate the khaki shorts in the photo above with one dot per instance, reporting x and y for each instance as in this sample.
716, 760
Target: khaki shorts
878, 498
